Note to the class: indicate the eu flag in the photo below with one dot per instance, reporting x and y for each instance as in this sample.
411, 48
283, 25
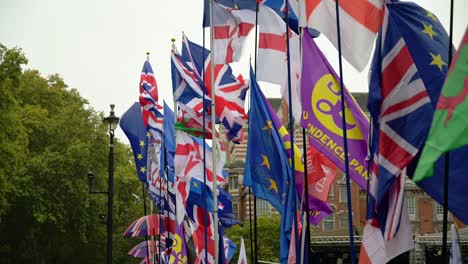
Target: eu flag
267, 169
133, 127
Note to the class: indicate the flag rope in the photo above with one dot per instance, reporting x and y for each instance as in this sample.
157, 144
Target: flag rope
343, 118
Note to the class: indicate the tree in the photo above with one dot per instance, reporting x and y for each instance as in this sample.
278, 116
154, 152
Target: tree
50, 138
268, 232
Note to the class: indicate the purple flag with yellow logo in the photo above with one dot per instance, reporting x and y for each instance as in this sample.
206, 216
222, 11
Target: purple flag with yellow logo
179, 249
321, 103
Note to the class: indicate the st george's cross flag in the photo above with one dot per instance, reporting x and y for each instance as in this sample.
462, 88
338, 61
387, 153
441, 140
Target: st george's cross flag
231, 27
273, 57
360, 21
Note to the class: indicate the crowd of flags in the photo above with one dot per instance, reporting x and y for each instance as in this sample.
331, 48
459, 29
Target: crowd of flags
180, 154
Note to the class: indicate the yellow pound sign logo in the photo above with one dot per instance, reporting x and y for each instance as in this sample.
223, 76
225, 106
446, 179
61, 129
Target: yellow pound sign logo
326, 104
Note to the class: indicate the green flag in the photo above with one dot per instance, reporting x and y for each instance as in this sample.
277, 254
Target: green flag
449, 128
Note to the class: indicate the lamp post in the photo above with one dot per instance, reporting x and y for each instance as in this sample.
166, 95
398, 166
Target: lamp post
112, 121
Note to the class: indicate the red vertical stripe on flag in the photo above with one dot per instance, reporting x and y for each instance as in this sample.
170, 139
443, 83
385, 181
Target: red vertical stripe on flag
395, 70
393, 152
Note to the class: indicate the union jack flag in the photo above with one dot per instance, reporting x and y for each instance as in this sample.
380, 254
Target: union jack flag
187, 85
202, 222
407, 73
148, 81
230, 90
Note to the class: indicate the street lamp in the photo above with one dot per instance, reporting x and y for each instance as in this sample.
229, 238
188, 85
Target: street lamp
112, 121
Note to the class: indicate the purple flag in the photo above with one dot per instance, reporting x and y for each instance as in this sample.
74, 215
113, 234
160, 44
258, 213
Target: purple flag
318, 210
321, 116
179, 250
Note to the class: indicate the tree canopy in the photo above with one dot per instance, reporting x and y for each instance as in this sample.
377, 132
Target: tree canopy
51, 137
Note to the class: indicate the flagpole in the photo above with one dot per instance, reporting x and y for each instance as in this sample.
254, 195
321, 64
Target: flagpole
447, 156
205, 214
306, 178
152, 236
306, 193
144, 211
369, 162
343, 118
213, 133
159, 216
291, 123
166, 170
175, 122
250, 226
255, 198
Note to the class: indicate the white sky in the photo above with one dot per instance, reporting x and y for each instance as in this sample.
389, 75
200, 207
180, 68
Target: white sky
99, 46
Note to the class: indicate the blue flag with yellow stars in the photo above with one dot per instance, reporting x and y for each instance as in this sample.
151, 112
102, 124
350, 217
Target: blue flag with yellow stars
267, 169
133, 127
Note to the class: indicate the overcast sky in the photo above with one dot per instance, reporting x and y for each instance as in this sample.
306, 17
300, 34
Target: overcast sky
99, 47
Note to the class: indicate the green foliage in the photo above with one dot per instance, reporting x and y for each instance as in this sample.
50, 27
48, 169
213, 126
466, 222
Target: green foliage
268, 237
50, 138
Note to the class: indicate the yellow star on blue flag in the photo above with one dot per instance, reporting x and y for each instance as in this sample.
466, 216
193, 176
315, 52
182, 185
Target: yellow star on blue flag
135, 130
269, 181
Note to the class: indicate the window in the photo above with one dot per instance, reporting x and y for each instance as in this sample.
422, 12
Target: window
343, 197
263, 208
235, 210
439, 210
331, 193
411, 207
233, 183
328, 223
344, 221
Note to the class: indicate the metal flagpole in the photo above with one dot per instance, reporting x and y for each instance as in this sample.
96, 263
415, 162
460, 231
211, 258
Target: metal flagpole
257, 253
159, 214
447, 157
306, 193
306, 178
369, 162
144, 211
213, 133
343, 118
291, 122
250, 226
152, 236
205, 215
151, 201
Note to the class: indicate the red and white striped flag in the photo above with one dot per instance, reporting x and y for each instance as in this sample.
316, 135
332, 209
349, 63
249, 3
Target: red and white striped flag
272, 56
360, 21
